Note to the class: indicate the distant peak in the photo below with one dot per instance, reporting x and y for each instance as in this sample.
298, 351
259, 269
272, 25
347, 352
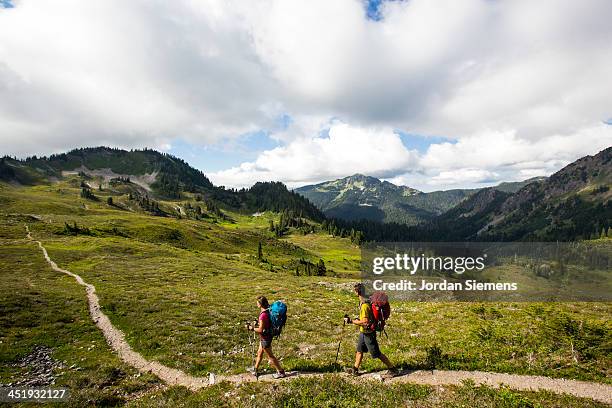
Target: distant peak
358, 176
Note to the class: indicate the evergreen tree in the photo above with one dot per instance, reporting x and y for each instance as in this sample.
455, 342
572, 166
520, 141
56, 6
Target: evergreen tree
259, 252
86, 193
321, 270
6, 171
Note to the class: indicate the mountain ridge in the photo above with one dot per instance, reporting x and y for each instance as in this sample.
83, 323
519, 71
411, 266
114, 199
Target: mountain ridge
357, 196
166, 176
573, 203
345, 198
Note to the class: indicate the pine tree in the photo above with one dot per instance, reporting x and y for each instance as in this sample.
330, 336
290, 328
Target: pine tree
109, 201
86, 193
321, 270
259, 252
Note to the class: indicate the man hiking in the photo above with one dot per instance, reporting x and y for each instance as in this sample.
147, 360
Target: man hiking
264, 328
367, 336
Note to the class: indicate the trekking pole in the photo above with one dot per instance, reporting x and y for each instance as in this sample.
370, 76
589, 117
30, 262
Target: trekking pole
253, 349
251, 343
340, 341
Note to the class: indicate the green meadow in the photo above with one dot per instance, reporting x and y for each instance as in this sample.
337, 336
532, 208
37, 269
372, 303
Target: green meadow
181, 288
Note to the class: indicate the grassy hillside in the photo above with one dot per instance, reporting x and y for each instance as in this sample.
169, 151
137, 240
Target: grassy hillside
150, 175
181, 285
573, 203
513, 187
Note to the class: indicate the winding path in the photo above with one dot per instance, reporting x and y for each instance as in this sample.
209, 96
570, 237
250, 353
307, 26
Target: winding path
116, 339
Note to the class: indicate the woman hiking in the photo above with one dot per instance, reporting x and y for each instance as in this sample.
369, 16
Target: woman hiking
264, 327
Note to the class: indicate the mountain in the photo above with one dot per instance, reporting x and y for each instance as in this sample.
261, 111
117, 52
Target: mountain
574, 203
466, 219
151, 173
161, 173
362, 197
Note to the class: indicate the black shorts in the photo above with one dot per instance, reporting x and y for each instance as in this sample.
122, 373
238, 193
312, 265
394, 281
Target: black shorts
265, 343
367, 342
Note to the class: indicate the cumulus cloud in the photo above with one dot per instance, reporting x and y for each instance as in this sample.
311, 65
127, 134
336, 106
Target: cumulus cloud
518, 86
443, 67
490, 157
126, 73
484, 159
463, 176
343, 150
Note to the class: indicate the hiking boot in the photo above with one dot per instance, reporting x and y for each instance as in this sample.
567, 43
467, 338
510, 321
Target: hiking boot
352, 371
393, 372
278, 376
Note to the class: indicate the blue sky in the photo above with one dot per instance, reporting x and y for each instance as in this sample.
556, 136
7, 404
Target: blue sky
421, 143
224, 154
373, 9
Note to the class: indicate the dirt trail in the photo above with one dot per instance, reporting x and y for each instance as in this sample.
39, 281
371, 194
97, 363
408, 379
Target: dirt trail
116, 339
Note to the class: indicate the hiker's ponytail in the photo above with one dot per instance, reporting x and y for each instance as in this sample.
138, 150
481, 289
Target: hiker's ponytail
263, 301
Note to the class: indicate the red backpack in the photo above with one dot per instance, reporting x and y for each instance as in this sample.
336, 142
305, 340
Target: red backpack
381, 310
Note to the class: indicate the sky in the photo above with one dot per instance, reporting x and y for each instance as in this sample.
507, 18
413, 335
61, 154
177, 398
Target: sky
434, 94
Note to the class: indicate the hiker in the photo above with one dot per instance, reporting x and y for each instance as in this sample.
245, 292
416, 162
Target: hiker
264, 328
367, 336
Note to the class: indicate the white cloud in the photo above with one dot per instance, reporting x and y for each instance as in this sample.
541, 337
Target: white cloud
463, 176
442, 66
345, 150
126, 73
520, 86
491, 157
477, 161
